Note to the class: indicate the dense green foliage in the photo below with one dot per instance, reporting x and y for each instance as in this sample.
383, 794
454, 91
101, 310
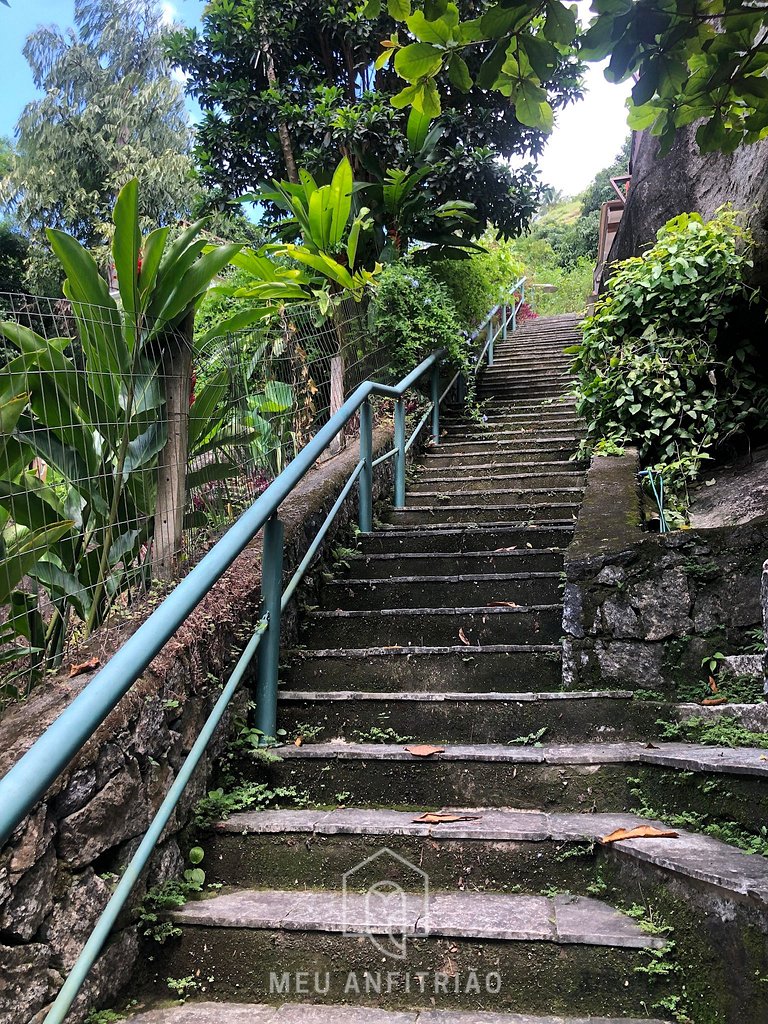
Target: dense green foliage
693, 60
658, 366
109, 111
295, 83
412, 314
478, 283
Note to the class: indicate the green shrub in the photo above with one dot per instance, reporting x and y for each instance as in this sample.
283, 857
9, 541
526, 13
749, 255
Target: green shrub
657, 367
573, 285
412, 314
477, 284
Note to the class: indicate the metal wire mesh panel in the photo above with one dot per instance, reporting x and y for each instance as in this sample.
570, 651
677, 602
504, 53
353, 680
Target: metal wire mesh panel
124, 451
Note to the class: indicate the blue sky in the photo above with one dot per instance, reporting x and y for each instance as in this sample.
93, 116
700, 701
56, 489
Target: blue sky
587, 137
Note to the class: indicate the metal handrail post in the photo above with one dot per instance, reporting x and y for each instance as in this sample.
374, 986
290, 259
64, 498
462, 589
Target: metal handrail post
399, 454
435, 389
491, 339
504, 319
365, 487
269, 651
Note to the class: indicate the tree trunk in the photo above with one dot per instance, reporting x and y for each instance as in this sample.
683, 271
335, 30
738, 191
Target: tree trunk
282, 127
172, 466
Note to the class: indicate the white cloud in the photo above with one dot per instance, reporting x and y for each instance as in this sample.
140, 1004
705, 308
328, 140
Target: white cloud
168, 13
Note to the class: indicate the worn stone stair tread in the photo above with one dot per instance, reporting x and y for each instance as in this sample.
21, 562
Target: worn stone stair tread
455, 695
500, 917
355, 653
683, 756
311, 1013
471, 610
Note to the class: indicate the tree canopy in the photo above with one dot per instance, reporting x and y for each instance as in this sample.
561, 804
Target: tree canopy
297, 82
693, 60
110, 110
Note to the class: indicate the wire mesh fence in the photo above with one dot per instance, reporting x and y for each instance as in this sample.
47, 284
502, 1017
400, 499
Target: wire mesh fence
125, 449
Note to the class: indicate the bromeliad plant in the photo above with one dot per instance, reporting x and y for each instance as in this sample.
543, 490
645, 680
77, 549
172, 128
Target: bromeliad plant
84, 433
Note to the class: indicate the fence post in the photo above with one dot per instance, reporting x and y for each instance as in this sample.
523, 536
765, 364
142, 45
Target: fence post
490, 340
366, 476
435, 387
400, 453
269, 648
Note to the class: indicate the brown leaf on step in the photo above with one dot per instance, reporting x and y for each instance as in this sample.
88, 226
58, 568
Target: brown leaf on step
713, 684
393, 647
641, 832
437, 818
424, 750
298, 741
502, 550
713, 701
651, 746
83, 666
501, 604
463, 638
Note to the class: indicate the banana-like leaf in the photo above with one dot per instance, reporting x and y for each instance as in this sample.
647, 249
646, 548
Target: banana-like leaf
192, 285
62, 584
126, 252
154, 247
212, 473
10, 411
236, 322
277, 398
144, 448
340, 202
320, 221
23, 553
203, 413
325, 265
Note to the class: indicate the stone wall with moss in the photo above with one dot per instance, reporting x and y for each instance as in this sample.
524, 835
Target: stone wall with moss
57, 871
642, 610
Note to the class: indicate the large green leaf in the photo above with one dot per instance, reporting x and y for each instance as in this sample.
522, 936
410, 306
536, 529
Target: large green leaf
277, 398
236, 322
10, 411
202, 413
154, 247
532, 107
192, 285
126, 249
22, 554
416, 129
340, 202
418, 60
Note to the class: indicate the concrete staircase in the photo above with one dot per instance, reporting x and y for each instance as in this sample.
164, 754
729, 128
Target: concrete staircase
461, 885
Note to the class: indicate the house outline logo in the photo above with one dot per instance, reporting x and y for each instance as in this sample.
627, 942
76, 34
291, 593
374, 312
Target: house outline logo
391, 941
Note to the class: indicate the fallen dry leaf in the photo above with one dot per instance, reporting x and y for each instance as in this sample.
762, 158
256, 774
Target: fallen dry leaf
501, 604
436, 818
641, 832
503, 550
298, 741
713, 684
425, 750
463, 638
711, 701
83, 666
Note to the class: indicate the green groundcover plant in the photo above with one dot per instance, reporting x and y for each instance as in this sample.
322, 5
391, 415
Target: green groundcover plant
663, 364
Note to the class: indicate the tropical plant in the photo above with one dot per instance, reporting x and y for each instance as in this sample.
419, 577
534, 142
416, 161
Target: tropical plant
95, 431
664, 363
702, 61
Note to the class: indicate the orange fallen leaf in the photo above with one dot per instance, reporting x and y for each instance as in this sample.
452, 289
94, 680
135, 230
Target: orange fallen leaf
463, 638
298, 741
501, 604
641, 832
713, 684
425, 750
83, 666
712, 701
436, 818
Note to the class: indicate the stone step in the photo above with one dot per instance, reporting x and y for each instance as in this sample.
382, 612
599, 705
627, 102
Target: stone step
459, 717
598, 776
457, 538
517, 458
473, 590
319, 1013
518, 432
496, 494
445, 512
526, 441
495, 479
446, 563
428, 669
542, 947
433, 627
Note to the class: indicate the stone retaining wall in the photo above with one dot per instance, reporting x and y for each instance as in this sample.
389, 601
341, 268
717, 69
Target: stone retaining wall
56, 871
643, 609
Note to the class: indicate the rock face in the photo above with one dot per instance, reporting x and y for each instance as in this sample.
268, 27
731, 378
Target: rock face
687, 181
643, 610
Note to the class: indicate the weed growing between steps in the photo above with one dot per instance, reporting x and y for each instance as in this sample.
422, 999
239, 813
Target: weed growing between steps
720, 732
752, 838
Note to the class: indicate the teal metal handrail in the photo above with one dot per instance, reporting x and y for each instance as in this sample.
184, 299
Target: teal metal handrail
509, 313
32, 775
